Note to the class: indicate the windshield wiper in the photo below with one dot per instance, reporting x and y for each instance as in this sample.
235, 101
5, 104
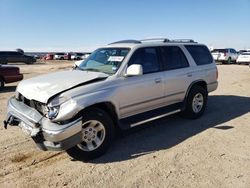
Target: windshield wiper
91, 69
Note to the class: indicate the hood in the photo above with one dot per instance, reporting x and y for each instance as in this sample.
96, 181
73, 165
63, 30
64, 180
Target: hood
41, 88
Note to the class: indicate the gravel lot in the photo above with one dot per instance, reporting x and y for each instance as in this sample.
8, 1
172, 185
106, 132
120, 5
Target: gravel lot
213, 151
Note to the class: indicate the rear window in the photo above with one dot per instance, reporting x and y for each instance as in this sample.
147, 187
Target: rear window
200, 54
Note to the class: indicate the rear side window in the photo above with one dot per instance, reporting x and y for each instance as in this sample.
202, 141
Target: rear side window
233, 51
15, 53
200, 54
147, 57
173, 58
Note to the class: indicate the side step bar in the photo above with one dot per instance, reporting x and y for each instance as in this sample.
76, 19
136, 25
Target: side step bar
148, 116
154, 118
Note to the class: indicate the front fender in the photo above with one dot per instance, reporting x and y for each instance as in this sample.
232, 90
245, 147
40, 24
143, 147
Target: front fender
72, 107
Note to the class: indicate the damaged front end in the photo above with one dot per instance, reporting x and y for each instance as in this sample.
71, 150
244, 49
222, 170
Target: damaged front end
46, 134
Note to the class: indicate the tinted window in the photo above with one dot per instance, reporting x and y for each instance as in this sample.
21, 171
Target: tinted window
233, 51
173, 58
147, 57
2, 53
219, 50
200, 54
15, 53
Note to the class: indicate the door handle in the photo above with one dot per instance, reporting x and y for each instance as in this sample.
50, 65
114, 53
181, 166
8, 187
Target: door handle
189, 74
158, 80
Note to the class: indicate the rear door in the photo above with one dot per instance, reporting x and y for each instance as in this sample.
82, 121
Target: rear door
234, 54
177, 74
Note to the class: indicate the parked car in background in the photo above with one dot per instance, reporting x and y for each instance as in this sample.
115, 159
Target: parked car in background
227, 55
14, 57
85, 56
244, 58
77, 56
59, 56
9, 74
49, 56
241, 51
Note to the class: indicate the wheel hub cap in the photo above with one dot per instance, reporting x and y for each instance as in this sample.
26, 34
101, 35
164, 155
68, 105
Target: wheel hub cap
93, 134
198, 102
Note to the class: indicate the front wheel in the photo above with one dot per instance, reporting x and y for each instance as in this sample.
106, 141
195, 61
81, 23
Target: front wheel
97, 135
195, 103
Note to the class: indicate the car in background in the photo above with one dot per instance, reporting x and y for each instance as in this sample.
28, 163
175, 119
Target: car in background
226, 56
9, 74
244, 58
14, 57
77, 56
48, 56
59, 56
85, 56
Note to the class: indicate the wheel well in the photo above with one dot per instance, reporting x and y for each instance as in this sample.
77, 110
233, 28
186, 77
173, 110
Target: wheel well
108, 107
200, 83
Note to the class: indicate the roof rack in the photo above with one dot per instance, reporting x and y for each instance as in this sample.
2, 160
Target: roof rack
183, 40
126, 41
155, 39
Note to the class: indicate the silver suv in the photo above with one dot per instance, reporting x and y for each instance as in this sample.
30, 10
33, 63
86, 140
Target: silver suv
122, 85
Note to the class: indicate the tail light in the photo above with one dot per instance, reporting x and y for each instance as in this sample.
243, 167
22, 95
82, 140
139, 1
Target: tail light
225, 53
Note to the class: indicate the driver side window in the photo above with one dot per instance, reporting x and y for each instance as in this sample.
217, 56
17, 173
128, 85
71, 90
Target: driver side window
147, 57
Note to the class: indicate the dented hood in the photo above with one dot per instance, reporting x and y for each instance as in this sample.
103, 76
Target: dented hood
41, 88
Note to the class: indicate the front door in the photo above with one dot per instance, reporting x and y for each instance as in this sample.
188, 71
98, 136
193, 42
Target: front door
146, 92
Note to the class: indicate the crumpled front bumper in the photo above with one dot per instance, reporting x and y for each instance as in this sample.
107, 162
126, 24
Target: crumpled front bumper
46, 134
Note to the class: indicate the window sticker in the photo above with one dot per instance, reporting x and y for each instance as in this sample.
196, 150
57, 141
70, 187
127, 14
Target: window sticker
116, 58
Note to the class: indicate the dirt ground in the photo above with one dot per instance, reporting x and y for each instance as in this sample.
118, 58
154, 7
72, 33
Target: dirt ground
213, 151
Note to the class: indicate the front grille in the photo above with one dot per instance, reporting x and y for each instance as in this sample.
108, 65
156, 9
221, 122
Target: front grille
40, 107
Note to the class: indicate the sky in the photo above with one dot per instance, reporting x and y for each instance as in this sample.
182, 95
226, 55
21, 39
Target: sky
78, 25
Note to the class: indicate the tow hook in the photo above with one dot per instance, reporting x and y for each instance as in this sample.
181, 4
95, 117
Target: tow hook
10, 121
7, 122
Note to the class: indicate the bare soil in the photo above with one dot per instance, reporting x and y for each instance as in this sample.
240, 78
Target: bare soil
213, 151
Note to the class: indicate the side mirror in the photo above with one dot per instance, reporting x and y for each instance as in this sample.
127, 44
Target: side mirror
134, 70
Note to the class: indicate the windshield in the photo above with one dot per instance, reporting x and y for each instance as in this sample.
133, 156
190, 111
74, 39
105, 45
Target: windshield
106, 60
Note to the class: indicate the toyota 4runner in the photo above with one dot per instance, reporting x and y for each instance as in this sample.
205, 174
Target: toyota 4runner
122, 85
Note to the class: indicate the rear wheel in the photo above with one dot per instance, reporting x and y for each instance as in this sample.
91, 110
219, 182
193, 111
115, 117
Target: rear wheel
97, 135
29, 62
229, 61
195, 103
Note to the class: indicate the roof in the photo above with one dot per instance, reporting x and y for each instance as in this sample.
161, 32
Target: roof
149, 42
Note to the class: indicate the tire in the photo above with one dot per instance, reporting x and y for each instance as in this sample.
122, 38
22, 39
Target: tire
29, 62
196, 95
229, 61
61, 58
96, 123
1, 83
3, 61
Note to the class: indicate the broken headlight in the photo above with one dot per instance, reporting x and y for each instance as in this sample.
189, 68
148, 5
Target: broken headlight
53, 106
